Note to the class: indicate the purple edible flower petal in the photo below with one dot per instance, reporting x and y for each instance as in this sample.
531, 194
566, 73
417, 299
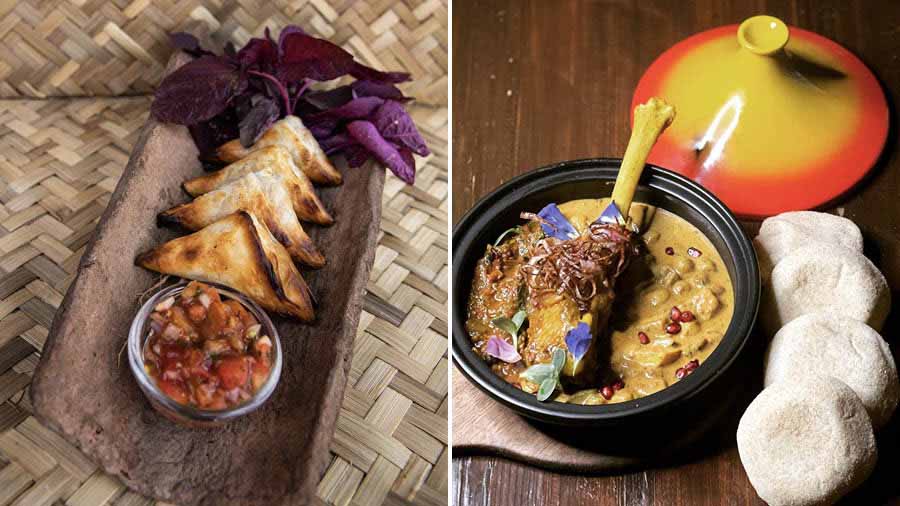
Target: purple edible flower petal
555, 224
611, 215
502, 350
578, 340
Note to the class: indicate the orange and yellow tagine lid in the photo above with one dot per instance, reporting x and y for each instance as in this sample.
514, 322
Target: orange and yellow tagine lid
769, 119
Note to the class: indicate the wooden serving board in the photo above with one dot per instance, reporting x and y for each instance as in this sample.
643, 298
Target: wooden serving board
482, 426
84, 391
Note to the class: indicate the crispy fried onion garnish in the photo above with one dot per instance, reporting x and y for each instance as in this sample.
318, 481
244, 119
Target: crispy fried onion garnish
579, 267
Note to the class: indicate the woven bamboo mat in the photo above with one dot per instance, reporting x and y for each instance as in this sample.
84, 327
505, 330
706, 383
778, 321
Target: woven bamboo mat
59, 161
101, 47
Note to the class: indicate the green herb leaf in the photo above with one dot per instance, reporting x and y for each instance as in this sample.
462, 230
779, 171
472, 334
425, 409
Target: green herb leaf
506, 325
519, 318
538, 373
547, 388
559, 360
511, 325
511, 231
546, 375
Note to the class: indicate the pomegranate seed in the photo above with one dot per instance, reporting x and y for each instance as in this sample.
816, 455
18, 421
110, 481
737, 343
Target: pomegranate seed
694, 252
675, 314
686, 316
670, 251
642, 337
619, 385
607, 393
673, 328
688, 368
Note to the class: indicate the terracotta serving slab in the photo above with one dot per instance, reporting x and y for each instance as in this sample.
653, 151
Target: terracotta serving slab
84, 391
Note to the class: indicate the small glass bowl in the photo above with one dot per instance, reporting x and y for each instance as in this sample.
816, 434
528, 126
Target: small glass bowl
185, 414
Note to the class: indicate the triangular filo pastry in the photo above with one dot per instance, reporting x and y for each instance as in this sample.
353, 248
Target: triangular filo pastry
292, 135
275, 158
261, 193
237, 251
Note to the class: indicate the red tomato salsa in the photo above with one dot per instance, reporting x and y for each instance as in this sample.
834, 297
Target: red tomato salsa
206, 352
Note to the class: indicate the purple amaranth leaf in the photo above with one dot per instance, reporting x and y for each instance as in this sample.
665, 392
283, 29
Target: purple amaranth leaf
500, 349
258, 120
356, 155
578, 340
323, 123
395, 125
336, 142
259, 52
209, 135
329, 99
287, 30
365, 73
311, 58
369, 137
197, 91
377, 89
555, 224
187, 43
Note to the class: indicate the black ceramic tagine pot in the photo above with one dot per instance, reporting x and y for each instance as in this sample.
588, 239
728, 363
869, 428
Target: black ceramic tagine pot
692, 401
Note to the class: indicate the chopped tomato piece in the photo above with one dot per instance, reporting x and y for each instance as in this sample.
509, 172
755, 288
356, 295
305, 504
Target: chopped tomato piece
233, 372
179, 318
260, 374
197, 363
241, 312
196, 312
216, 320
174, 390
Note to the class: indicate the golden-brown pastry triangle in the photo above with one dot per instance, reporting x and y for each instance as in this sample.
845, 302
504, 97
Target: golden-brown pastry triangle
277, 159
292, 135
261, 193
237, 251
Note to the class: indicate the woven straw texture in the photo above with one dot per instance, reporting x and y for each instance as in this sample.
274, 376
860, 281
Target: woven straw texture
100, 47
59, 161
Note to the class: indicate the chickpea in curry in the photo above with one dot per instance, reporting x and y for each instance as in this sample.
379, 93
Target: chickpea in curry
206, 351
654, 314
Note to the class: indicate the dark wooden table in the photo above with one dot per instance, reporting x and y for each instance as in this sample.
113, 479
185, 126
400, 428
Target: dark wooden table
535, 82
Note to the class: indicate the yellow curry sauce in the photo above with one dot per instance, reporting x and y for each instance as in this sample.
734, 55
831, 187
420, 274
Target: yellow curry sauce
672, 306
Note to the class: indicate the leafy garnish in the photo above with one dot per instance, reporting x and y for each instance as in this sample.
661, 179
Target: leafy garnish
242, 92
511, 325
500, 349
546, 375
509, 231
554, 224
578, 340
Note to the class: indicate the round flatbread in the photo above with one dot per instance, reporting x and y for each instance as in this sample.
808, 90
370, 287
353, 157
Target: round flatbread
846, 349
780, 235
817, 279
806, 441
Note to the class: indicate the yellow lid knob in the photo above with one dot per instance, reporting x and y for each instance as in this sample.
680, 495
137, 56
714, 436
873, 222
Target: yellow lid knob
763, 34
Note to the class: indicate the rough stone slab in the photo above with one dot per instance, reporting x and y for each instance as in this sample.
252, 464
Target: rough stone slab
274, 456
